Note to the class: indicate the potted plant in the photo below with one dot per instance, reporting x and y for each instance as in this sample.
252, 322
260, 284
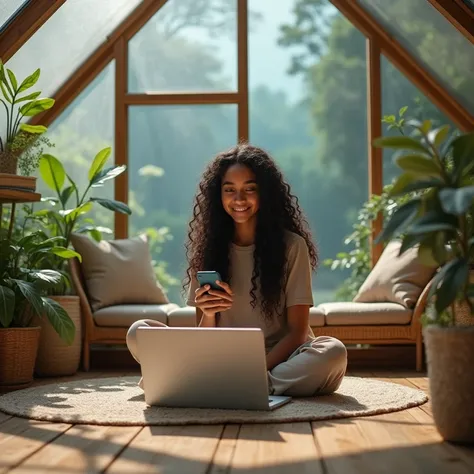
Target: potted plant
21, 145
24, 283
68, 213
439, 218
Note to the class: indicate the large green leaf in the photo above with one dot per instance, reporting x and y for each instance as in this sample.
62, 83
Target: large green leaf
66, 253
60, 320
99, 162
7, 306
439, 135
109, 173
32, 96
30, 81
52, 277
463, 154
453, 280
52, 172
6, 94
37, 106
419, 166
71, 214
113, 205
433, 221
399, 220
457, 200
4, 80
13, 80
400, 142
32, 295
66, 194
409, 241
407, 183
38, 129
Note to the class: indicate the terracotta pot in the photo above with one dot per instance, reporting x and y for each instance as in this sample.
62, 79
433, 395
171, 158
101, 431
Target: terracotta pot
55, 357
18, 351
450, 359
8, 162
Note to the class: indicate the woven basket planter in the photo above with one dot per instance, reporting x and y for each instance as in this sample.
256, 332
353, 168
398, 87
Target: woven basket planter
450, 359
8, 162
55, 357
18, 351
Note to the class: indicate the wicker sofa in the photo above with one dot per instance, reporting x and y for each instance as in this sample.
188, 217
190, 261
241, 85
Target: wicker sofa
386, 310
352, 323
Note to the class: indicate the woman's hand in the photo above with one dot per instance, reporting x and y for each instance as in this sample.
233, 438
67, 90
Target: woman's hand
211, 301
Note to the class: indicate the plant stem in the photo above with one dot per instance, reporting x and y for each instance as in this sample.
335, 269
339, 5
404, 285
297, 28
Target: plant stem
11, 118
8, 121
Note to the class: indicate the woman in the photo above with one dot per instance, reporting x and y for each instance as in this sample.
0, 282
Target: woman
248, 226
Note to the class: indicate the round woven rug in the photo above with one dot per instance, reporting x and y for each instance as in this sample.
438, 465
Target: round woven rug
119, 401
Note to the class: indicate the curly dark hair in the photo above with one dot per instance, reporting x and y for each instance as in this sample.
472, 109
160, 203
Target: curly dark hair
211, 229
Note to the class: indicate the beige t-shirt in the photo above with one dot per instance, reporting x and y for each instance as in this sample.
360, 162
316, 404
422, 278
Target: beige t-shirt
297, 291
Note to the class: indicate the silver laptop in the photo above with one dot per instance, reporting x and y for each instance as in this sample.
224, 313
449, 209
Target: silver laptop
205, 368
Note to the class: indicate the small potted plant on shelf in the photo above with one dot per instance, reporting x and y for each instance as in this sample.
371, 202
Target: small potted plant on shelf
67, 213
22, 144
441, 221
24, 284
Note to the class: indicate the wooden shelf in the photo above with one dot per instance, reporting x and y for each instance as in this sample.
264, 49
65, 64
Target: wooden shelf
8, 196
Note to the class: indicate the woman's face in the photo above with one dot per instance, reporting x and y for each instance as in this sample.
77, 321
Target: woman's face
239, 193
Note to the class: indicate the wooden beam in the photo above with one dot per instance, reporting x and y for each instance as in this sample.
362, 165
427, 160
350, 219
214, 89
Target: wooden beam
458, 14
182, 98
80, 79
406, 63
242, 71
374, 130
121, 133
24, 25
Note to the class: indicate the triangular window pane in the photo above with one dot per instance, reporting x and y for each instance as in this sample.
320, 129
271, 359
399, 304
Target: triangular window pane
68, 38
433, 41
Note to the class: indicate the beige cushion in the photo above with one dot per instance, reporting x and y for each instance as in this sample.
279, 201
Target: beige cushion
118, 271
125, 315
360, 314
316, 317
184, 317
396, 279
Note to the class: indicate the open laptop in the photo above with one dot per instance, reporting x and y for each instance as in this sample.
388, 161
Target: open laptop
205, 368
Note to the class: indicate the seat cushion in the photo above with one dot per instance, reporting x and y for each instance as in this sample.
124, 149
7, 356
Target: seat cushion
316, 317
186, 317
182, 317
360, 314
126, 314
396, 279
118, 272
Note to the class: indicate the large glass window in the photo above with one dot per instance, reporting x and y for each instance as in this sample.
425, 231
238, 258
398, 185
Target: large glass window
80, 132
187, 46
67, 39
308, 109
169, 147
433, 41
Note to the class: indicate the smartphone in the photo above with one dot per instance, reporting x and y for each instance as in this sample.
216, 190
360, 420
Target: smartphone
209, 278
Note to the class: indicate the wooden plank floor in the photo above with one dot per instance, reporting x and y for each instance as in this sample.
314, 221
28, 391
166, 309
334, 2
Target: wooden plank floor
405, 441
